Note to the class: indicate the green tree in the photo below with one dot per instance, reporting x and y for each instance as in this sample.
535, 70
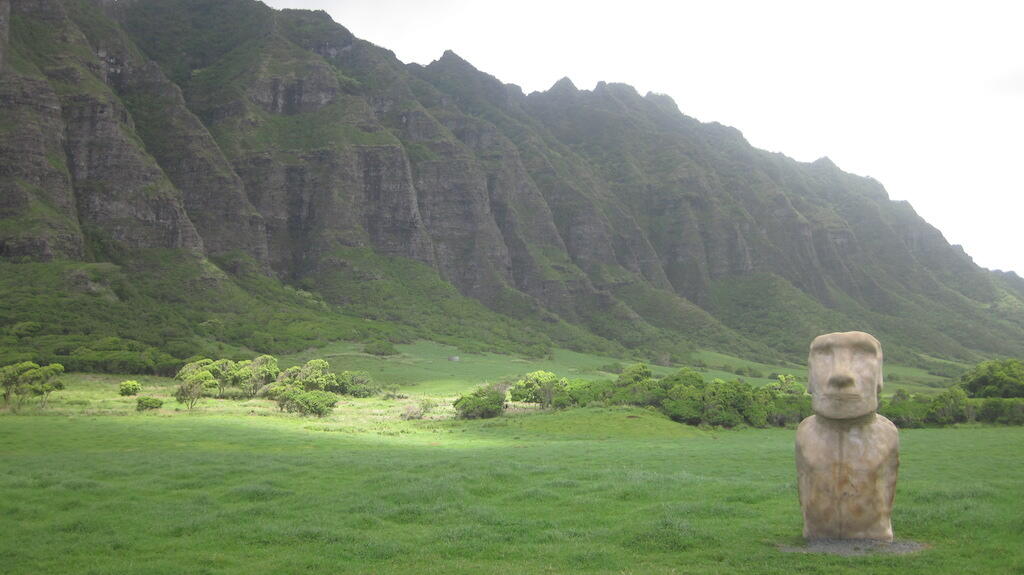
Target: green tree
223, 371
194, 386
684, 376
193, 367
314, 375
253, 375
528, 389
41, 381
785, 385
996, 378
636, 373
10, 377
948, 407
354, 383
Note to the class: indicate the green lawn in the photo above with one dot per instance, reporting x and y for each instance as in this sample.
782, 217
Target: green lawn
424, 368
231, 489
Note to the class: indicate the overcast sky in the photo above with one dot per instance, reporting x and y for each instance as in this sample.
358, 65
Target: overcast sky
926, 97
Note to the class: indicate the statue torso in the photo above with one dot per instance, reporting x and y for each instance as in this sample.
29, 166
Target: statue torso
847, 477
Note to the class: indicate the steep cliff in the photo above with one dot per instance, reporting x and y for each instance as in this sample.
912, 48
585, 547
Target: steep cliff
278, 141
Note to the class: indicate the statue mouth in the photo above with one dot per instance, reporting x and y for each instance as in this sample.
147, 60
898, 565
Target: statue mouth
843, 396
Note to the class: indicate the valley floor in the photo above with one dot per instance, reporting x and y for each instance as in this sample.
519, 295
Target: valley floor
99, 489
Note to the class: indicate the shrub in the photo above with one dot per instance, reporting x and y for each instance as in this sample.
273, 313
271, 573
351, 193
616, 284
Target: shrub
194, 386
905, 413
315, 375
528, 389
539, 387
427, 405
788, 410
234, 394
615, 368
129, 387
284, 396
356, 384
412, 411
316, 402
586, 393
992, 410
380, 347
481, 403
147, 403
948, 407
251, 376
685, 404
1002, 410
391, 392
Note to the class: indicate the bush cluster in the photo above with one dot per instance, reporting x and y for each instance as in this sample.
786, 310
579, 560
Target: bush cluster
313, 402
148, 403
482, 402
951, 406
312, 389
684, 396
687, 397
292, 388
997, 378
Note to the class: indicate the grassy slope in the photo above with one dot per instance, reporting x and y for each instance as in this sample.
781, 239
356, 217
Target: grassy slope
424, 368
601, 491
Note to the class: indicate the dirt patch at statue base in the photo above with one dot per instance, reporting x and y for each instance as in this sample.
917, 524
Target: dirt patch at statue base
850, 547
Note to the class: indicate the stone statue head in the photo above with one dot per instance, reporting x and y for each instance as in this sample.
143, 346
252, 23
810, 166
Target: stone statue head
844, 374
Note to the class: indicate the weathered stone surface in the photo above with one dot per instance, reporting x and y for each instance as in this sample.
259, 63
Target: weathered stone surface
847, 455
37, 202
120, 194
361, 196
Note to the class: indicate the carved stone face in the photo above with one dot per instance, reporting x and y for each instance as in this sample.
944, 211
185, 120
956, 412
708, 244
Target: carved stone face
844, 374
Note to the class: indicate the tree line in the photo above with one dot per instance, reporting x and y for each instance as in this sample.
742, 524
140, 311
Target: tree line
992, 392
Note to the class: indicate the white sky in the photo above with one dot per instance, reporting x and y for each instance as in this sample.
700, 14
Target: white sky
926, 97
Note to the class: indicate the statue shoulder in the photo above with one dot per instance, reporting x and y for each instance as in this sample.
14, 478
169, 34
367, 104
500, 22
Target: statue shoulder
884, 422
886, 429
807, 427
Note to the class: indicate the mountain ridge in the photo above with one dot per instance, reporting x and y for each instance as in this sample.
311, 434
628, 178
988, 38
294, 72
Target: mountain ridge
233, 130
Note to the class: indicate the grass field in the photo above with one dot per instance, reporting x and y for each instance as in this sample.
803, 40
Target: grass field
424, 368
90, 486
591, 490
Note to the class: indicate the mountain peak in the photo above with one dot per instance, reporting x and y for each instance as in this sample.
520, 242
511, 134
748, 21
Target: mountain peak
564, 85
825, 162
450, 56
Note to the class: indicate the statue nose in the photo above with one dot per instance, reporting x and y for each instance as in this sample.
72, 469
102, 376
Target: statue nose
840, 380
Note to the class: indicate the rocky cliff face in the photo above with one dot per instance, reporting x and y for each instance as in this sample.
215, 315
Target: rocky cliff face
87, 169
228, 127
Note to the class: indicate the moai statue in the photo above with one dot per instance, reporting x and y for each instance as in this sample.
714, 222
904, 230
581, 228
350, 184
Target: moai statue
847, 455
